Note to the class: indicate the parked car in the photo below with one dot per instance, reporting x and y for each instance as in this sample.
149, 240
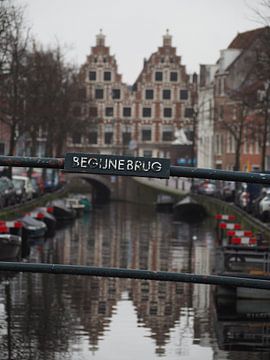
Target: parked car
264, 206
227, 191
207, 188
246, 196
36, 189
20, 190
8, 191
27, 184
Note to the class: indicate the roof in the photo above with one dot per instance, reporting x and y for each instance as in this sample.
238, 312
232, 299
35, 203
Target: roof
245, 39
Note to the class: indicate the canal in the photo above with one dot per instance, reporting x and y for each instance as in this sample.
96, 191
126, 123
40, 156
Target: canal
74, 317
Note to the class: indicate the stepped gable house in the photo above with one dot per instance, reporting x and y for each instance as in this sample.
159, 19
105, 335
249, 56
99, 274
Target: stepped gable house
142, 119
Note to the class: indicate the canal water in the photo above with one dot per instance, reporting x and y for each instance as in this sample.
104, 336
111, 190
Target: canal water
75, 317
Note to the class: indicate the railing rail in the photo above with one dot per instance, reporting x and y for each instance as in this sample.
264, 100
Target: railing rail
178, 171
136, 274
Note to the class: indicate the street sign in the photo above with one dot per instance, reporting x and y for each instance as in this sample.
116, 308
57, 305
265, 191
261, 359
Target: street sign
117, 165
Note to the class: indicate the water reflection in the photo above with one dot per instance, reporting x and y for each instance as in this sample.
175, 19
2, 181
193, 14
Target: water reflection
76, 317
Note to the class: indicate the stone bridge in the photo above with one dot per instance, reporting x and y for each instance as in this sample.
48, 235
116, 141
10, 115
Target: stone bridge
103, 186
140, 190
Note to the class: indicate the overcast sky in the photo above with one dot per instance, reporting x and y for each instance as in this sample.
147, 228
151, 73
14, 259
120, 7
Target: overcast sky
134, 28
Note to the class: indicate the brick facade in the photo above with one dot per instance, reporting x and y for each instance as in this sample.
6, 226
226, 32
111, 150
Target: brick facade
140, 119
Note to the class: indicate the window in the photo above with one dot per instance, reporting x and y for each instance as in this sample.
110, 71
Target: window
146, 134
93, 111
2, 148
158, 76
107, 76
92, 75
93, 137
183, 94
82, 94
189, 112
109, 111
167, 133
166, 94
149, 94
221, 112
116, 93
174, 76
77, 138
127, 111
167, 112
147, 153
126, 137
99, 93
108, 138
147, 112
218, 144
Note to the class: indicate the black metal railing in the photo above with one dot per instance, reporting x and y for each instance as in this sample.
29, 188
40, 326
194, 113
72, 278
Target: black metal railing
178, 171
58, 163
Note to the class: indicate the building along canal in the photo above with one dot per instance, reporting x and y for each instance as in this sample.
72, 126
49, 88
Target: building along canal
46, 316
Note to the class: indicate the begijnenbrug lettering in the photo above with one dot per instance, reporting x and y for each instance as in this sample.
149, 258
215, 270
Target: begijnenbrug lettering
116, 164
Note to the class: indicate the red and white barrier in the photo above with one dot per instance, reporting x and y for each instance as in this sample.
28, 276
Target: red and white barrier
225, 217
239, 233
246, 240
229, 226
5, 226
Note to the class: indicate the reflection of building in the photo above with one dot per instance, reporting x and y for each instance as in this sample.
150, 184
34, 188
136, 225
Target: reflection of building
142, 119
61, 312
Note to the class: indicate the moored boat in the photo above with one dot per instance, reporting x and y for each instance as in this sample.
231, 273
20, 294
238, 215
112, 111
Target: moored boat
61, 212
33, 228
42, 214
10, 246
86, 202
75, 205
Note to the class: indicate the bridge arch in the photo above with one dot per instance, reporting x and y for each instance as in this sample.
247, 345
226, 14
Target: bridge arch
102, 185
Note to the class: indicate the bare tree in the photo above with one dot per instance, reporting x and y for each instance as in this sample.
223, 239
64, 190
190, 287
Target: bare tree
236, 121
13, 79
5, 25
50, 89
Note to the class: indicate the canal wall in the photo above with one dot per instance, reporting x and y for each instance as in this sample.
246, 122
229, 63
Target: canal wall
217, 206
144, 191
147, 191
